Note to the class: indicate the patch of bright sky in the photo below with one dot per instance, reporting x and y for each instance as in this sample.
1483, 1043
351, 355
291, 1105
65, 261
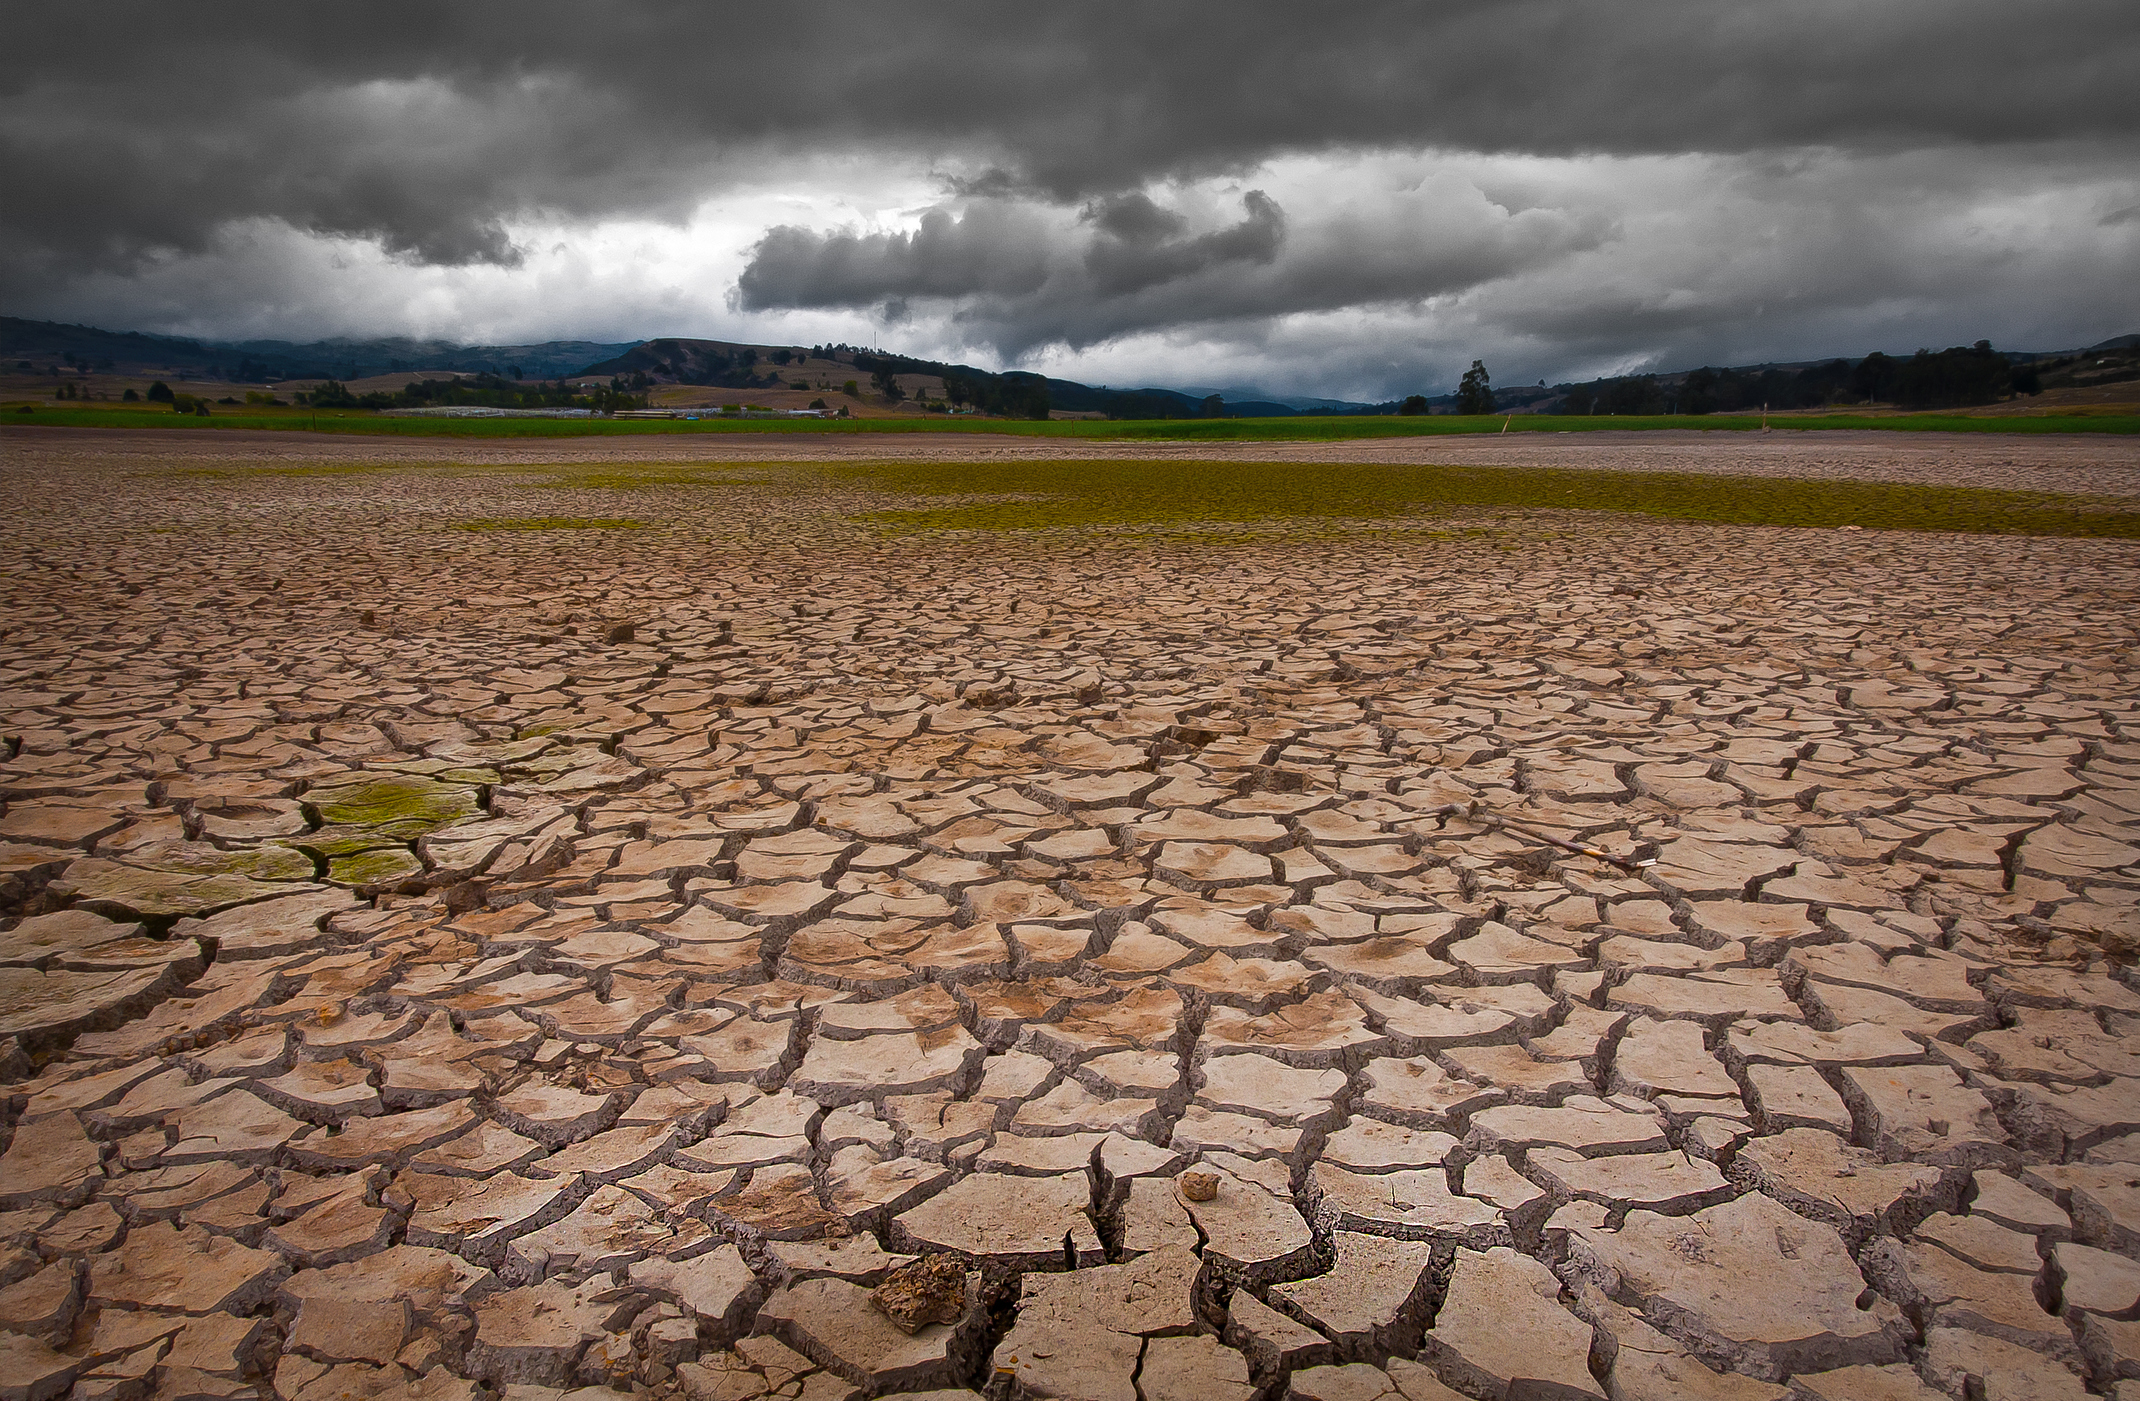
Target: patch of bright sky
1702, 259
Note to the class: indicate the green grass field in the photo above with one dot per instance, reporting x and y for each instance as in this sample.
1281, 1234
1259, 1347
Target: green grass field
1223, 429
1048, 494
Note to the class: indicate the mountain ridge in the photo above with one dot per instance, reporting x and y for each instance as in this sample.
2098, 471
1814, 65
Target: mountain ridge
693, 360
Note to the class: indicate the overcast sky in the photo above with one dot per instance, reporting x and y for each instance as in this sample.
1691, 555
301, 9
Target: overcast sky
1351, 200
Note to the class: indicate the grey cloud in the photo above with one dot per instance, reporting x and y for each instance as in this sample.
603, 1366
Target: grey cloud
1121, 264
994, 249
1847, 174
1016, 281
1134, 218
1577, 268
1005, 264
431, 128
1736, 261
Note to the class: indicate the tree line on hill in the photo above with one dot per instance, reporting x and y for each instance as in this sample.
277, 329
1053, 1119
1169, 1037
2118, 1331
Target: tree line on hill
1943, 379
1012, 394
267, 361
1022, 394
480, 391
707, 363
1956, 377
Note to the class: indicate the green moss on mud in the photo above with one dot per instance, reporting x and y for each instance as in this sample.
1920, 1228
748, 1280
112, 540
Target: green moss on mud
1040, 495
394, 800
386, 865
270, 861
343, 839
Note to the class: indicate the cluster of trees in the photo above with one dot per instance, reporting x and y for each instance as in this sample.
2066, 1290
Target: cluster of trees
1127, 403
1475, 394
161, 393
689, 362
1945, 379
726, 370
1631, 394
1015, 394
1930, 379
1707, 391
481, 391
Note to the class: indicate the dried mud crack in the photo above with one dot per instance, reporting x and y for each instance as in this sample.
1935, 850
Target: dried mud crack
454, 962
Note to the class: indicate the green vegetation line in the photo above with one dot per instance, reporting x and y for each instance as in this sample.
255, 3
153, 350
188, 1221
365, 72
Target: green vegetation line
1172, 429
1050, 494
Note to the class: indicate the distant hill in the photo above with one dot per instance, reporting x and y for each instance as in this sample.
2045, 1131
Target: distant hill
543, 360
1250, 394
48, 342
678, 359
45, 343
1156, 403
1956, 376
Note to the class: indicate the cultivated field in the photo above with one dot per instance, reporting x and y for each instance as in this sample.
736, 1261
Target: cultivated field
514, 913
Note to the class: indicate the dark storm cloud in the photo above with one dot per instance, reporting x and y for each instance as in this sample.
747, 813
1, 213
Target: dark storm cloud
1134, 218
1145, 257
1003, 255
1015, 279
428, 128
996, 249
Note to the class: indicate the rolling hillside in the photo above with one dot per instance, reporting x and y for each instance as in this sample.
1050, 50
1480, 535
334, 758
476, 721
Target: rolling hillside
688, 372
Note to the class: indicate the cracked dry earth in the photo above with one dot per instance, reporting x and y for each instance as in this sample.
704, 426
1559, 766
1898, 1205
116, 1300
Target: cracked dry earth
456, 964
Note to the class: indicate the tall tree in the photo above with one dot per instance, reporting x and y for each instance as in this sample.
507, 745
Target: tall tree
1475, 394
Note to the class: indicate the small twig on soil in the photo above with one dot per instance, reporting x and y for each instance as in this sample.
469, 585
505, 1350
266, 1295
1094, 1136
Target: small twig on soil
1473, 811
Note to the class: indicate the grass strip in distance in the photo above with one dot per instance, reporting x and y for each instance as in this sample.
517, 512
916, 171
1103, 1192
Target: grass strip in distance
1171, 429
1039, 495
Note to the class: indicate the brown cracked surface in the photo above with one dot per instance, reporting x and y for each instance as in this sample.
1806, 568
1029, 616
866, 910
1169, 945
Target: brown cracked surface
440, 962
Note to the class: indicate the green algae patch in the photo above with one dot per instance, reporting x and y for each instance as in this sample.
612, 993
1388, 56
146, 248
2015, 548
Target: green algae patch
400, 801
346, 840
1040, 495
119, 890
270, 861
384, 866
552, 523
